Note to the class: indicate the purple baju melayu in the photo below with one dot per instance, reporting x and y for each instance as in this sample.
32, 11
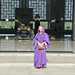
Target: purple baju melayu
40, 55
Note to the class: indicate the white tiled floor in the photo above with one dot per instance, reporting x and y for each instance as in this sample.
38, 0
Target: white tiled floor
22, 63
27, 70
27, 45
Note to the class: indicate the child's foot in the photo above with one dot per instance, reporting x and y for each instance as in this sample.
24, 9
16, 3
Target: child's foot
40, 68
33, 67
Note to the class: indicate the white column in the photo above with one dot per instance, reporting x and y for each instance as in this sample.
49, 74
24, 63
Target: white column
74, 23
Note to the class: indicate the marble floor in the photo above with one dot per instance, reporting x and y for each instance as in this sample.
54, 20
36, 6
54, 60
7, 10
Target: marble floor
22, 63
25, 69
27, 45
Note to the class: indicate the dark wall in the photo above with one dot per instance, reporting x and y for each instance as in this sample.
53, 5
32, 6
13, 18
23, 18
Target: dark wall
23, 3
48, 7
57, 12
0, 9
8, 31
24, 15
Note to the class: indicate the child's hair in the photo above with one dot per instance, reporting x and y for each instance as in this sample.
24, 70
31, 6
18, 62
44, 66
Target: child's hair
40, 25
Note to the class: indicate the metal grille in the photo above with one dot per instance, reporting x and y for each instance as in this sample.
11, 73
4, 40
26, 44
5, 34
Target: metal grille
39, 7
68, 9
8, 8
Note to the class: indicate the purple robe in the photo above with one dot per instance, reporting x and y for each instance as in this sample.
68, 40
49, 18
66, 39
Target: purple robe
40, 55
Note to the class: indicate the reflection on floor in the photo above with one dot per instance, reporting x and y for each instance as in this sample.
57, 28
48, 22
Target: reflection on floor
11, 44
16, 63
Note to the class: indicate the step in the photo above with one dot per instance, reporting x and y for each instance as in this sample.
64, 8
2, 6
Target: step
32, 64
22, 63
63, 58
26, 69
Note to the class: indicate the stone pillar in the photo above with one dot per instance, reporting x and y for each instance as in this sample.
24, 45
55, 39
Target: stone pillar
0, 9
23, 3
74, 23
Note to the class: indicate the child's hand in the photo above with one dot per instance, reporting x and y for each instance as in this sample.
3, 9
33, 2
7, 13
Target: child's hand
42, 43
38, 43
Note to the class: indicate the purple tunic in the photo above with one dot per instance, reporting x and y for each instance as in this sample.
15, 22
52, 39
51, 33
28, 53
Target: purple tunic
40, 55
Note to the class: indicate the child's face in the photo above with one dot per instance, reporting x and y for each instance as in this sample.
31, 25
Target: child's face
40, 28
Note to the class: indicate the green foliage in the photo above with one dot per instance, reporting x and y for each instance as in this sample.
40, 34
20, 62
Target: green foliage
45, 24
33, 25
68, 26
7, 24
